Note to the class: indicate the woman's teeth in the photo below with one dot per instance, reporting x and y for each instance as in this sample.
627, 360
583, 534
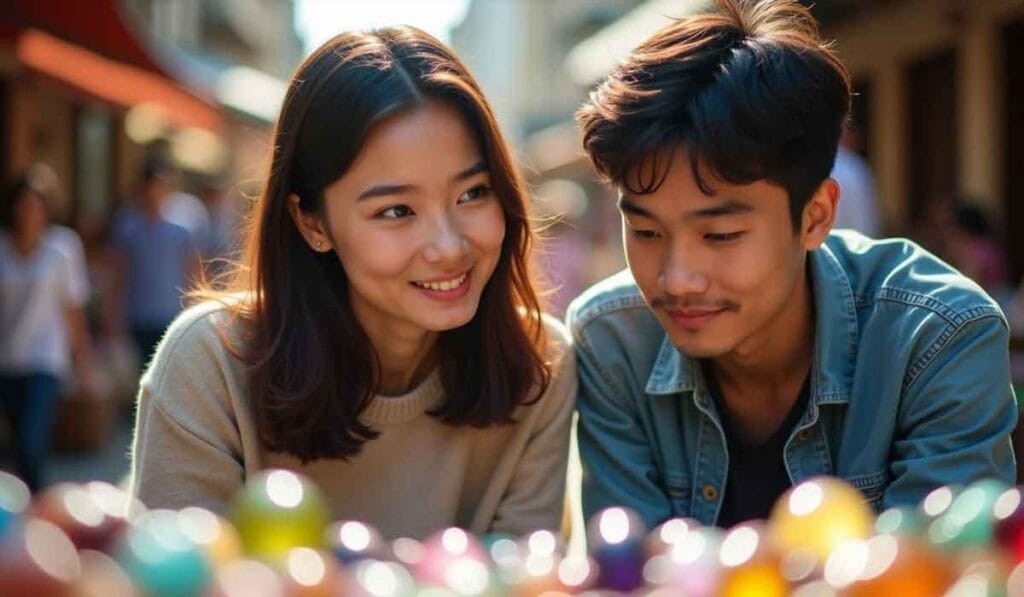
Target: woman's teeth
443, 285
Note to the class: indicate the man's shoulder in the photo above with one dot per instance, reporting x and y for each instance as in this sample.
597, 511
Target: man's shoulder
173, 230
62, 236
615, 296
611, 321
67, 241
900, 272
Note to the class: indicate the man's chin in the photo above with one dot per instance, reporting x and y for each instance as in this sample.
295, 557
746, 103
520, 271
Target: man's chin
699, 348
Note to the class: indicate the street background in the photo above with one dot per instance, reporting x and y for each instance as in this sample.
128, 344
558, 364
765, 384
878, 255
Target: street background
92, 92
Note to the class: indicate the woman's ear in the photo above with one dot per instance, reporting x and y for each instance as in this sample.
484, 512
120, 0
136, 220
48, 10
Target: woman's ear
820, 214
311, 226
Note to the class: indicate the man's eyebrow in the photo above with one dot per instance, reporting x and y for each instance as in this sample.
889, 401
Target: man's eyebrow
729, 207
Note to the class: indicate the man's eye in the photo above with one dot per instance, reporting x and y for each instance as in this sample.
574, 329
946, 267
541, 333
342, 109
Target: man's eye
722, 237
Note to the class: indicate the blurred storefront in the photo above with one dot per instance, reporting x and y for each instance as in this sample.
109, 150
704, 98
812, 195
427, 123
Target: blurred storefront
92, 89
942, 102
86, 86
69, 73
237, 53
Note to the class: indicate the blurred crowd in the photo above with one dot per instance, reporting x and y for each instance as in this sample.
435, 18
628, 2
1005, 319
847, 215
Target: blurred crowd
957, 228
82, 307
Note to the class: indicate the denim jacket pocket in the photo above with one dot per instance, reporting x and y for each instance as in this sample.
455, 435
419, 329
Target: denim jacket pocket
677, 488
872, 486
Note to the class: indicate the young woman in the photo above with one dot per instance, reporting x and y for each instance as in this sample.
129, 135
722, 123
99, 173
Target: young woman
382, 335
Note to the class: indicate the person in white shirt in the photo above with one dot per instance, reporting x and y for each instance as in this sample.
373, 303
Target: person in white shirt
858, 199
67, 241
42, 322
189, 212
44, 180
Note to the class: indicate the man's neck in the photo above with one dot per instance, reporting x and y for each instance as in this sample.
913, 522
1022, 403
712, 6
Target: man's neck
151, 210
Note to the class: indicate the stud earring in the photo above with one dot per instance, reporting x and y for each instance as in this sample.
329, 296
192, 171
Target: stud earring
319, 245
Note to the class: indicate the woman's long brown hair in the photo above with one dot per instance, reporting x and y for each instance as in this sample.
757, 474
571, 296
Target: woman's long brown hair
311, 367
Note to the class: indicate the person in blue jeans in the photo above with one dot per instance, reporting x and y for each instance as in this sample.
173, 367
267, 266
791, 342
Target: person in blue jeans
157, 259
749, 347
42, 324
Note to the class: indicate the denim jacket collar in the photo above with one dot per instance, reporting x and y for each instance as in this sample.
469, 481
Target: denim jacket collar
835, 340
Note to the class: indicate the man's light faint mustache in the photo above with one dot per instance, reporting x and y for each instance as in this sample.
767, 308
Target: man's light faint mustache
663, 302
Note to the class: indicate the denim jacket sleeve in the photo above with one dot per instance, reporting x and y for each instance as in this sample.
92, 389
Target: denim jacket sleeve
956, 414
619, 467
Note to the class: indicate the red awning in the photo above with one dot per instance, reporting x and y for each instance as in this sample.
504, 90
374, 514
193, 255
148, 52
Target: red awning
112, 81
99, 25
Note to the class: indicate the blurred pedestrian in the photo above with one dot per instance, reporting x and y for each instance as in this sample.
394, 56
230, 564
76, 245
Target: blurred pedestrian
975, 250
42, 322
157, 258
187, 211
113, 349
858, 199
220, 248
45, 181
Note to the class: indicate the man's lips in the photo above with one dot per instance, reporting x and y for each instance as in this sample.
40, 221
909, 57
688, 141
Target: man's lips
693, 317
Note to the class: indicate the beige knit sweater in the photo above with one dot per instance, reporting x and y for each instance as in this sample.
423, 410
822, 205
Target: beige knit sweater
196, 442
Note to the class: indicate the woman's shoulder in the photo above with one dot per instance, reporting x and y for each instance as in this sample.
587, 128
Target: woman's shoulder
201, 321
552, 405
560, 358
557, 335
205, 336
192, 404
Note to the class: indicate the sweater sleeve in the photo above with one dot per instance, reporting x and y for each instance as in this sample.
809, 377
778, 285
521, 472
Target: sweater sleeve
187, 449
535, 498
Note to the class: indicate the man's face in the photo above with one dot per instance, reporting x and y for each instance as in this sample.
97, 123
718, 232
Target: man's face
718, 271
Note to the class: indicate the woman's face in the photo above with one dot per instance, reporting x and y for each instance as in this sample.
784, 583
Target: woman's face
414, 223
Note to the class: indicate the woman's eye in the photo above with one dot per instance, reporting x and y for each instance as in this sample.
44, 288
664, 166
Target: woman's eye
477, 192
394, 212
722, 237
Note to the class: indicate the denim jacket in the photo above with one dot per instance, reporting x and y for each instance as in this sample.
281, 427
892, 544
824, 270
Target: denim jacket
909, 389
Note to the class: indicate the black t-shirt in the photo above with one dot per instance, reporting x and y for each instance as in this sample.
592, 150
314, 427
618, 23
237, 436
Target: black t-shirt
757, 472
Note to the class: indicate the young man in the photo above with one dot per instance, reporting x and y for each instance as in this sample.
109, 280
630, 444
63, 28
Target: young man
747, 347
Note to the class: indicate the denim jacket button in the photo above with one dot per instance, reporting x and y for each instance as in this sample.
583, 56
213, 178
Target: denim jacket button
802, 436
710, 492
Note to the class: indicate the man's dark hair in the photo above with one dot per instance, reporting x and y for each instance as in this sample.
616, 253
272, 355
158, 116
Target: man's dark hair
156, 166
749, 89
970, 217
38, 179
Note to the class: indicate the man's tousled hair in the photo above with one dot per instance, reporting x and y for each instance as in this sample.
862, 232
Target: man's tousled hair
749, 89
